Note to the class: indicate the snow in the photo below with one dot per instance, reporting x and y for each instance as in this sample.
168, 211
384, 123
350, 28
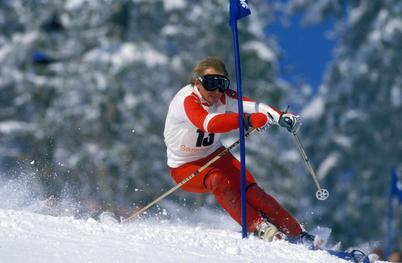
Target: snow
357, 12
170, 30
72, 5
120, 55
37, 230
385, 27
392, 27
343, 141
174, 4
314, 109
32, 237
352, 115
14, 126
396, 96
329, 163
260, 49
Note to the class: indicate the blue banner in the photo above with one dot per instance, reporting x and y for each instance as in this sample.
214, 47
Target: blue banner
395, 191
238, 9
396, 185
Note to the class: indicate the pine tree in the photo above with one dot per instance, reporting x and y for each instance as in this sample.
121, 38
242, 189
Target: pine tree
354, 123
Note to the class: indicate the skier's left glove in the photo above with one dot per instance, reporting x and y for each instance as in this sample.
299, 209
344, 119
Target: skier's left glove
290, 121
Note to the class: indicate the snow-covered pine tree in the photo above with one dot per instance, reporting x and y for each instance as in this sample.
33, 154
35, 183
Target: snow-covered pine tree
354, 124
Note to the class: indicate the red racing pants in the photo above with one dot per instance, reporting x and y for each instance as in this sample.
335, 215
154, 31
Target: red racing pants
222, 179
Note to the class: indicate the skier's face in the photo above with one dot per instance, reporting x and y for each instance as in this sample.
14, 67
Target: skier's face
212, 97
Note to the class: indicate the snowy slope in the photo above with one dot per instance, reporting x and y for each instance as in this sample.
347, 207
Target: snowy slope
31, 237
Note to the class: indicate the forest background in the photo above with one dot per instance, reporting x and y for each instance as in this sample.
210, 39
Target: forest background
85, 87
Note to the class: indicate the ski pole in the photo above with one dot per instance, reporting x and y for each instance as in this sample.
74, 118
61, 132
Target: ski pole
177, 186
321, 193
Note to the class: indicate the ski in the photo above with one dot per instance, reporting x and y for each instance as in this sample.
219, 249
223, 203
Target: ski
355, 255
319, 241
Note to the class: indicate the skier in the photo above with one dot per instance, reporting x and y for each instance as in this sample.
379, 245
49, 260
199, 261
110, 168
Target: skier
198, 115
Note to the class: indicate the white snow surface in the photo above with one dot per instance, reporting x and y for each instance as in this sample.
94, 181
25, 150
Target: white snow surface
31, 237
38, 229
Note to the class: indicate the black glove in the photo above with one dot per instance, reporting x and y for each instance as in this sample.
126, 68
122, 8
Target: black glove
290, 121
247, 121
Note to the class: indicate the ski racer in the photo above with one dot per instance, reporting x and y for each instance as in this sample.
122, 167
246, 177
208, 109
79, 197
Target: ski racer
197, 116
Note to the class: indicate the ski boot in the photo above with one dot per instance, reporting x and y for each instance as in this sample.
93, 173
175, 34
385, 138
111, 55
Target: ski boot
267, 231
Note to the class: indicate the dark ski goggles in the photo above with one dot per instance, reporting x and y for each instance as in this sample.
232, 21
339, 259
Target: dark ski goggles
213, 82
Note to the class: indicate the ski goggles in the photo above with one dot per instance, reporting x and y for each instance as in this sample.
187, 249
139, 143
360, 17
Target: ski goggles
213, 82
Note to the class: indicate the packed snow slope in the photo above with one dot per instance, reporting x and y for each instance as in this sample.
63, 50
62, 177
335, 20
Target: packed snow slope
31, 237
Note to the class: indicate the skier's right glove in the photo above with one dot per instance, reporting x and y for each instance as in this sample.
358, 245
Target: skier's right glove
254, 120
290, 121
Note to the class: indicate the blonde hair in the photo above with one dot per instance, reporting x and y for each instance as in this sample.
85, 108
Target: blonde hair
208, 62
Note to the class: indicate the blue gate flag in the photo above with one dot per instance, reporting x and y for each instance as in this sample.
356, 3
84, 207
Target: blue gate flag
396, 185
40, 57
238, 9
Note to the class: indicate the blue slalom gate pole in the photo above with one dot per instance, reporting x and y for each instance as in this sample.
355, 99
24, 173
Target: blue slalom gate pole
241, 131
390, 216
395, 191
237, 10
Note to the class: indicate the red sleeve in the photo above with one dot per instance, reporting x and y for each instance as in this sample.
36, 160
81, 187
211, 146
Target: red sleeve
220, 123
224, 122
